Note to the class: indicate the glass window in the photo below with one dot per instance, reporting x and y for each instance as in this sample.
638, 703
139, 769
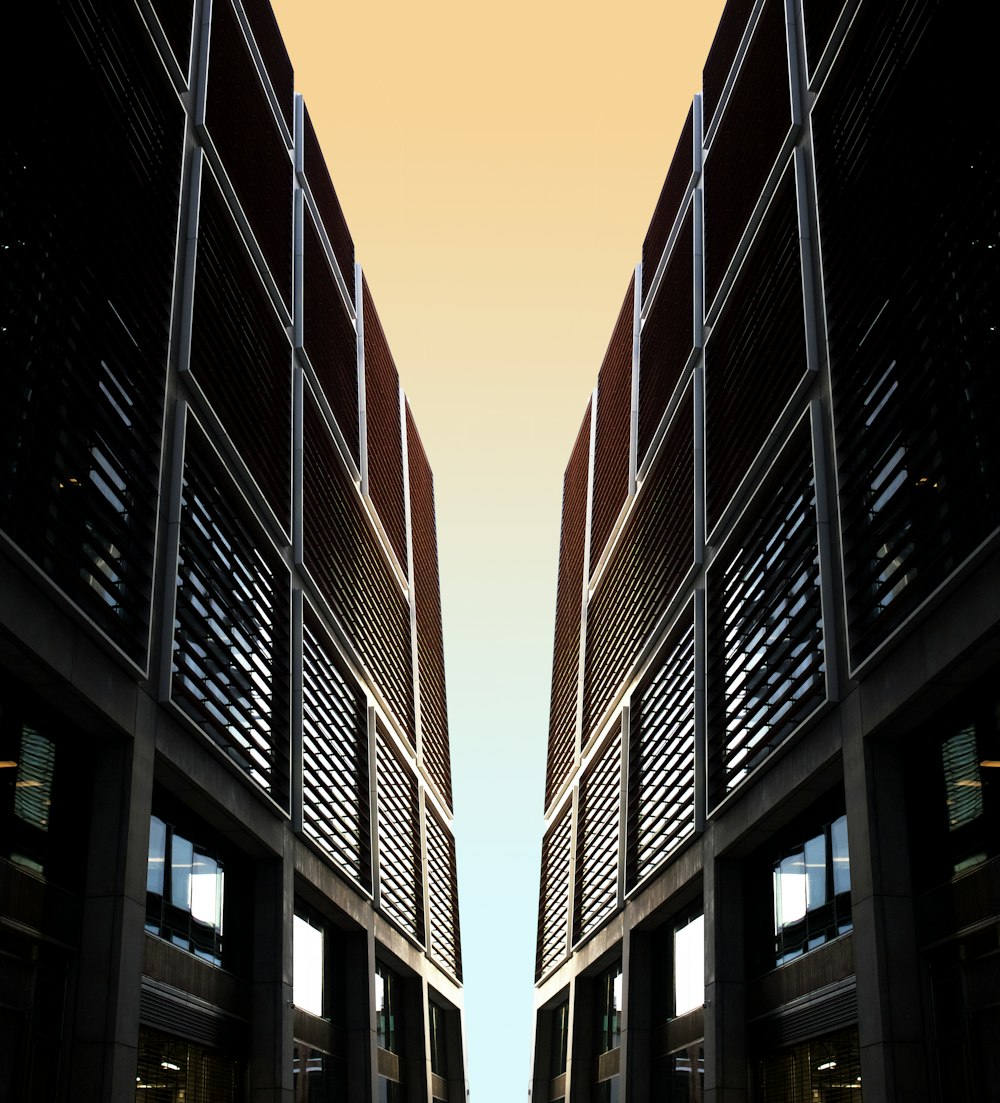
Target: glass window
386, 1007
184, 892
812, 892
560, 1040
680, 1077
827, 1068
317, 1077
610, 997
33, 787
439, 1047
689, 966
308, 966
171, 1069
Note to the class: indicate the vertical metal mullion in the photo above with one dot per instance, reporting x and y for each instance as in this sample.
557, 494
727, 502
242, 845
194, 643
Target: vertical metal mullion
633, 433
623, 788
297, 766
373, 784
359, 299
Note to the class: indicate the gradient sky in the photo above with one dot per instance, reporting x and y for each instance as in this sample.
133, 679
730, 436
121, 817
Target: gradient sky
498, 166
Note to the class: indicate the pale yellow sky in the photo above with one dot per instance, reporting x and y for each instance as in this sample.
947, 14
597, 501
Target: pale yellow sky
498, 166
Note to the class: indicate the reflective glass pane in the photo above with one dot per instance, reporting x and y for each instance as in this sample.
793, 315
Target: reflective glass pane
962, 779
157, 855
33, 787
307, 966
841, 858
181, 857
689, 966
789, 891
815, 862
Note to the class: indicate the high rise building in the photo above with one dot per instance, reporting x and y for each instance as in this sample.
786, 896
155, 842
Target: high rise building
227, 866
770, 868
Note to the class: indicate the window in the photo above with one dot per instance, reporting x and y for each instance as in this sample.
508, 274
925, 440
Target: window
689, 965
610, 997
439, 1048
308, 965
812, 892
184, 892
317, 1077
560, 1040
386, 1008
171, 1069
827, 1068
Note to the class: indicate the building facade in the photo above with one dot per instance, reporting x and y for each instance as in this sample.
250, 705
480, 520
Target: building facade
227, 865
770, 864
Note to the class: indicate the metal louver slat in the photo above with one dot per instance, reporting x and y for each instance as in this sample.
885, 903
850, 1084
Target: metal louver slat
661, 758
246, 134
385, 435
240, 354
427, 598
766, 650
400, 879
342, 555
442, 884
335, 798
329, 338
654, 552
611, 441
569, 607
912, 332
330, 210
231, 640
553, 897
667, 336
756, 353
672, 195
597, 841
756, 119
84, 322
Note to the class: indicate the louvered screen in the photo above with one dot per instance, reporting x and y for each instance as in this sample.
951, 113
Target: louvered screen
336, 811
271, 45
667, 336
84, 316
672, 195
766, 668
385, 439
231, 637
611, 443
240, 353
912, 333
722, 54
597, 841
820, 17
569, 609
400, 880
328, 204
175, 17
245, 133
342, 554
654, 554
757, 117
553, 895
661, 756
756, 353
427, 599
329, 337
442, 891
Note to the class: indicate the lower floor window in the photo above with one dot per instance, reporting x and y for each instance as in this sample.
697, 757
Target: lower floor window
680, 1077
317, 1076
171, 1069
827, 1068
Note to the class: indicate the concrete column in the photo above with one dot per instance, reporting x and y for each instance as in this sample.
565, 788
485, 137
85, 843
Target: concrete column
271, 1035
580, 1063
414, 1058
887, 965
358, 982
112, 945
637, 967
725, 980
